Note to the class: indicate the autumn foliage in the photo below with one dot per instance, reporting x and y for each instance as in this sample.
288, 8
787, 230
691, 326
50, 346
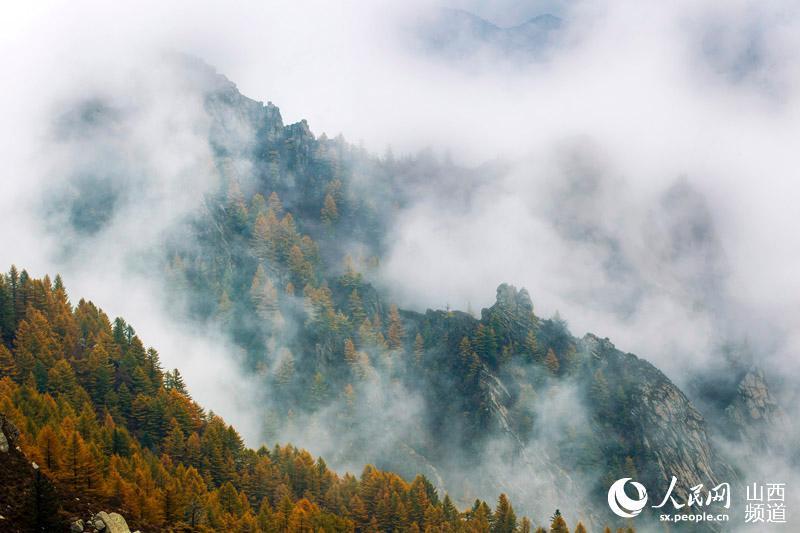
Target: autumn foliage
109, 426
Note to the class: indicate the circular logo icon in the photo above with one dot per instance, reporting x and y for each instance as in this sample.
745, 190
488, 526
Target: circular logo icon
621, 504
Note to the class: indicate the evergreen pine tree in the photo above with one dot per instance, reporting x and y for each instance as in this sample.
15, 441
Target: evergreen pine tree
531, 345
504, 519
7, 365
356, 308
330, 212
419, 349
395, 332
552, 361
558, 524
49, 447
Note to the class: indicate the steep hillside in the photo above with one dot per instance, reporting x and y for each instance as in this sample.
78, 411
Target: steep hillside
108, 429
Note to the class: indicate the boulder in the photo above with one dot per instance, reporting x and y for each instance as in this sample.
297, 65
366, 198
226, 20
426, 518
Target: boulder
114, 522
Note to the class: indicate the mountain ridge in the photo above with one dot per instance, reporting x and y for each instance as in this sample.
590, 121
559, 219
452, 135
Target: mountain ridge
264, 259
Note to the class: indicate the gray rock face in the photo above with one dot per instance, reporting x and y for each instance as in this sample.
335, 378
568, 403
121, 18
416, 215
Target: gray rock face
754, 399
554, 484
675, 432
753, 410
511, 314
669, 435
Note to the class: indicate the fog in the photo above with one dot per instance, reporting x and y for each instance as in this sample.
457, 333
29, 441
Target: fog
648, 194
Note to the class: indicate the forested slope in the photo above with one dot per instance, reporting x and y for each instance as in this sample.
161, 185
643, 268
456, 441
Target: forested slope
110, 429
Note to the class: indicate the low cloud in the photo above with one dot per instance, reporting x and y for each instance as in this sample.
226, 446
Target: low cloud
647, 190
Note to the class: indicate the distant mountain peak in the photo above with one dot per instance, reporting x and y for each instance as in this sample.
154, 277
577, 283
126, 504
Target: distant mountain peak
460, 34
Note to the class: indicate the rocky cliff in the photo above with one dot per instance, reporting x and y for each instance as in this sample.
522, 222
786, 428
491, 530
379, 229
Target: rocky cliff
566, 430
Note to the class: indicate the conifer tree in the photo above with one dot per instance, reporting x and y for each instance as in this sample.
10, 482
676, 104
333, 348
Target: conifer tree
258, 205
49, 447
174, 443
365, 333
153, 368
356, 308
465, 351
125, 399
100, 372
264, 294
482, 516
120, 442
358, 511
580, 528
531, 345
449, 510
7, 365
419, 349
275, 204
329, 213
263, 240
286, 237
599, 389
558, 524
140, 383
319, 390
7, 322
61, 380
174, 381
350, 354
485, 342
351, 276
285, 372
504, 519
299, 268
395, 332
34, 342
165, 480
193, 450
78, 470
228, 499
419, 502
552, 361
